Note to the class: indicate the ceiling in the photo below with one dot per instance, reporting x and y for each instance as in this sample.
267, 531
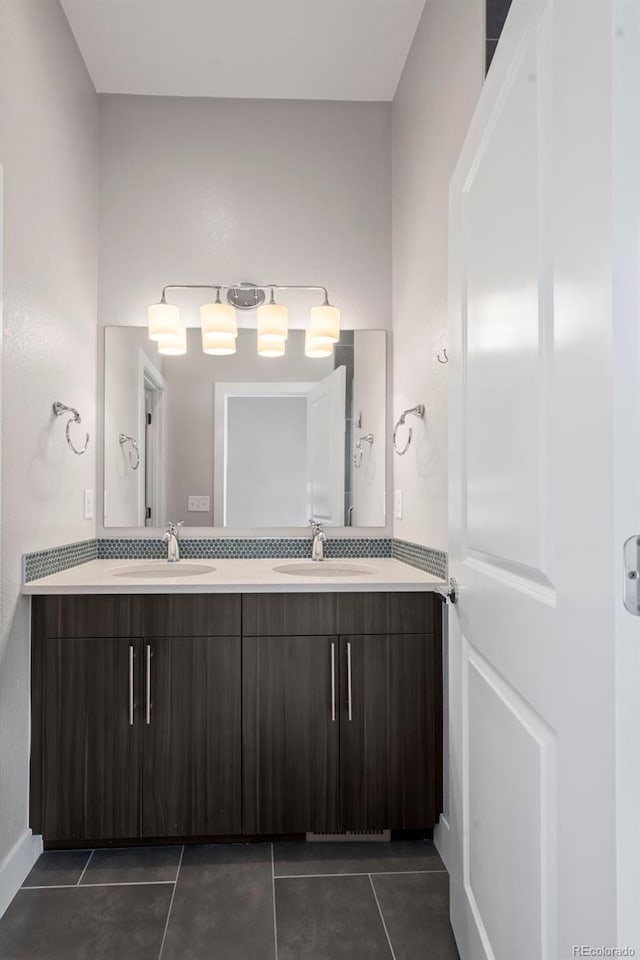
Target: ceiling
280, 49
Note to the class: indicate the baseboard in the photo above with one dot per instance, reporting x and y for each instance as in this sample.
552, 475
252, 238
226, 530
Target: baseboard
16, 865
442, 840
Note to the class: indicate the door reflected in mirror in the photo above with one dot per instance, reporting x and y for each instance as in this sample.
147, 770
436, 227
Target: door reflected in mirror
245, 441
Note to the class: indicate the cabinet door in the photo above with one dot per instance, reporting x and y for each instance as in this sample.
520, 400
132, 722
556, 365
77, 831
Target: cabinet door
391, 735
191, 737
91, 745
290, 734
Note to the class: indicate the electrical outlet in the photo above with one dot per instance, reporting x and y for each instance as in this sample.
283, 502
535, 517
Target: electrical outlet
198, 504
398, 505
88, 504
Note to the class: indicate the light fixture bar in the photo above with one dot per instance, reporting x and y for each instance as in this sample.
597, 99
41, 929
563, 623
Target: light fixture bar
235, 286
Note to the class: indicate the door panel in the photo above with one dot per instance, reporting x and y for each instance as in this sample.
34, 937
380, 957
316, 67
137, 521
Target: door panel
290, 739
192, 742
391, 748
531, 687
91, 757
326, 449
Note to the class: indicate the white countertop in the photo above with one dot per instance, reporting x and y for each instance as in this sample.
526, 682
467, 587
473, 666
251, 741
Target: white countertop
236, 576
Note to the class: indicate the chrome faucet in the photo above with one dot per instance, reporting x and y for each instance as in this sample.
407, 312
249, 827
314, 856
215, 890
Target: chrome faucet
318, 537
172, 540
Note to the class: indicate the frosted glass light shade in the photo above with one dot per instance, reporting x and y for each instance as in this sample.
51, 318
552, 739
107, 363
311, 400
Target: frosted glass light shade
219, 319
270, 348
164, 322
324, 325
273, 322
174, 345
218, 345
317, 349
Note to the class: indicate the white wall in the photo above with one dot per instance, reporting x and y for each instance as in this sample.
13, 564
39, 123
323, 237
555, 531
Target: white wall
223, 190
48, 147
430, 115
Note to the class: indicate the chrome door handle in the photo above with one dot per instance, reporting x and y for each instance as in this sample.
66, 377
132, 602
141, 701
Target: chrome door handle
148, 704
131, 704
349, 701
632, 575
333, 682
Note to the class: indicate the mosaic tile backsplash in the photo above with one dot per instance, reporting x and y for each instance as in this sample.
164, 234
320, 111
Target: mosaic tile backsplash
431, 561
242, 548
43, 563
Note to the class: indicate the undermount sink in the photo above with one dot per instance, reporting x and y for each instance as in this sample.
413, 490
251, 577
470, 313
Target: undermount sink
323, 568
163, 570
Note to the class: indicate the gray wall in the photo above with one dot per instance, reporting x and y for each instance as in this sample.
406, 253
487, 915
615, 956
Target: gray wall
48, 147
431, 112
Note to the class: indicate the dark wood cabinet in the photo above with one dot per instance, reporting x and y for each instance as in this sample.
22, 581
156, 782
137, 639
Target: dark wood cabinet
191, 737
222, 715
381, 756
136, 736
390, 732
91, 751
290, 734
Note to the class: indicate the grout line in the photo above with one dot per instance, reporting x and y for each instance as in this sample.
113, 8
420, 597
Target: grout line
376, 873
85, 868
381, 917
273, 887
124, 883
175, 887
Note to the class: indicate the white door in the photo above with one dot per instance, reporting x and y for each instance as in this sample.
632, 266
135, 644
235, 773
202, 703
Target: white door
531, 812
325, 449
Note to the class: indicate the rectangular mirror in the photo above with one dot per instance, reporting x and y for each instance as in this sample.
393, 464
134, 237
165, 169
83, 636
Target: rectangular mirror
244, 441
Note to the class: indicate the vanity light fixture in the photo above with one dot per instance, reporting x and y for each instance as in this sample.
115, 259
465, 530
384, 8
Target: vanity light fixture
324, 326
270, 348
175, 344
273, 321
316, 349
218, 345
218, 319
164, 321
219, 322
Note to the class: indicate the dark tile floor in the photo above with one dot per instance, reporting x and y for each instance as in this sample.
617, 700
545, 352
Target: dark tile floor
283, 901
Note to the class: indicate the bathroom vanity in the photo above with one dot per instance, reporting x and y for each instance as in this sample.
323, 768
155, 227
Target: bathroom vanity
178, 711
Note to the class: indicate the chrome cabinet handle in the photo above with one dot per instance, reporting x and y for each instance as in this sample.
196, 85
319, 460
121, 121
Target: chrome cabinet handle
131, 705
148, 705
349, 706
333, 682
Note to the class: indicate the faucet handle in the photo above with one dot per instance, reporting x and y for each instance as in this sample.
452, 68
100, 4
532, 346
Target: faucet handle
174, 528
316, 527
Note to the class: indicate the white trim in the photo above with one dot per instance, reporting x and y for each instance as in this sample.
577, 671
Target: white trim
16, 866
442, 839
222, 393
149, 374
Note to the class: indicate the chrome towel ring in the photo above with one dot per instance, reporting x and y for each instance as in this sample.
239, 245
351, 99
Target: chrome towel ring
123, 438
417, 411
59, 410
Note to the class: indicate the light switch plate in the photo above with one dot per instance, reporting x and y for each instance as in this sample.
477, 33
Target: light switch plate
197, 504
88, 504
398, 505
